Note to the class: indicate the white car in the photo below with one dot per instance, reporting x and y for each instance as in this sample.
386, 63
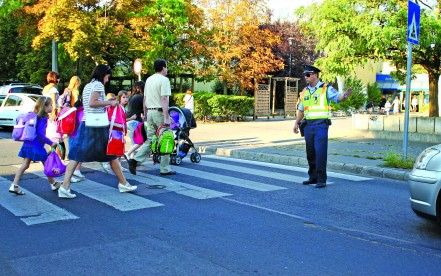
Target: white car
425, 184
15, 104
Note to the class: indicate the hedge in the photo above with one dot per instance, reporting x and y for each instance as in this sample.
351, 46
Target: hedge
217, 107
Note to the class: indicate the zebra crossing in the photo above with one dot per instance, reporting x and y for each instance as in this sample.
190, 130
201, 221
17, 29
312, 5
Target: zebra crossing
34, 209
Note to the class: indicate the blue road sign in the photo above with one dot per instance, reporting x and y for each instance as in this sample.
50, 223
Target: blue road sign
413, 23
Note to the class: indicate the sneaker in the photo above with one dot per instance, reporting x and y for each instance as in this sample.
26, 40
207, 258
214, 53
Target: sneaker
78, 174
75, 179
63, 193
126, 188
105, 166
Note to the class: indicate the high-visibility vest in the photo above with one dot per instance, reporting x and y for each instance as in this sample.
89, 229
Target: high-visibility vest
315, 106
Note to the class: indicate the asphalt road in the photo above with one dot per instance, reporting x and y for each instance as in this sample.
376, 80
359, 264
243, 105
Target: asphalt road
219, 217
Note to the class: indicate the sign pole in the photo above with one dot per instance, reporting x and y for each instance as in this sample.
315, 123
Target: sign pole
407, 98
413, 34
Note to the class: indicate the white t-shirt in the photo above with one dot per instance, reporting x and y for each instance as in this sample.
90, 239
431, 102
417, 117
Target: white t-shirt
156, 86
94, 86
189, 101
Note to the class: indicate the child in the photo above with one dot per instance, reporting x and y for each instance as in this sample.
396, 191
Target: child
387, 106
34, 150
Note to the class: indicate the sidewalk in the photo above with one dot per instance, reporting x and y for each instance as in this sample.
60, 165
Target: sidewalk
274, 141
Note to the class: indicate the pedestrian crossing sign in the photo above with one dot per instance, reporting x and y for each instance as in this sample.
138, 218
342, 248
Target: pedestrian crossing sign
413, 23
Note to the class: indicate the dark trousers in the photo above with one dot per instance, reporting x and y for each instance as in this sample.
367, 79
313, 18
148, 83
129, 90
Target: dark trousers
316, 140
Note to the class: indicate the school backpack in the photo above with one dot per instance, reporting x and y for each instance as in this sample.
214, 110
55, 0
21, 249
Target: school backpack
163, 141
140, 135
66, 120
120, 117
64, 100
25, 128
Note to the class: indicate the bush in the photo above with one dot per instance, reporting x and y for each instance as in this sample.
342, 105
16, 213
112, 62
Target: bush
357, 98
395, 160
220, 107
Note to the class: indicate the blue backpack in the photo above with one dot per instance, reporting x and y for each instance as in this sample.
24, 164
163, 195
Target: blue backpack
25, 128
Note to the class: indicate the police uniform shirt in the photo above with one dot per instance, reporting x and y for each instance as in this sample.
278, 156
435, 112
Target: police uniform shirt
331, 93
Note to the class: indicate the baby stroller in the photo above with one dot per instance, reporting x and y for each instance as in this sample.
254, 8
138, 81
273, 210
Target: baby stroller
181, 121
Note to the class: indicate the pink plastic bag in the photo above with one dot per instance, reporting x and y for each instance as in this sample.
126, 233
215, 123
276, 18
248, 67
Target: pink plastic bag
53, 166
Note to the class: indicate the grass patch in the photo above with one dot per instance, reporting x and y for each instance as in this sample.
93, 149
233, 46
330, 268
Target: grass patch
395, 160
374, 157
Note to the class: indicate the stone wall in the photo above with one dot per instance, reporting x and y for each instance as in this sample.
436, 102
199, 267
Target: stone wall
423, 129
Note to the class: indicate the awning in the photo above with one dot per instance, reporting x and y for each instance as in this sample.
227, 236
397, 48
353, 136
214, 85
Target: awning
386, 82
419, 83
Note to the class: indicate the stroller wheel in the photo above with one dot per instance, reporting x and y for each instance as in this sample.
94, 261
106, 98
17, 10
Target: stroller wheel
195, 157
173, 159
178, 160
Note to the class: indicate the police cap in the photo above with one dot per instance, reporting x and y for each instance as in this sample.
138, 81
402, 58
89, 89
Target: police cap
311, 69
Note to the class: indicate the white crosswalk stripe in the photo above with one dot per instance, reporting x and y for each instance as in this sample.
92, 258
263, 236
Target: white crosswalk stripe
31, 208
289, 168
170, 185
109, 195
234, 181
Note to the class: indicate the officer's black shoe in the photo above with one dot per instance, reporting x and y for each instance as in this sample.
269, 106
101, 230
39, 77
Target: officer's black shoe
309, 181
132, 166
320, 185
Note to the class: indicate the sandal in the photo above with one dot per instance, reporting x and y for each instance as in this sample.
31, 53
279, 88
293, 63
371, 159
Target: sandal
15, 190
56, 185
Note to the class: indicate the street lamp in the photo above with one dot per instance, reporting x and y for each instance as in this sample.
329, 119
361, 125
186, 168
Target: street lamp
290, 39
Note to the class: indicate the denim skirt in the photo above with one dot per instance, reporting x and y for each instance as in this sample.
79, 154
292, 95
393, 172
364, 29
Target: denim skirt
34, 153
90, 145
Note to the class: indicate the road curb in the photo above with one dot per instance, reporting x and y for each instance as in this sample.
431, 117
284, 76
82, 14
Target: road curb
373, 171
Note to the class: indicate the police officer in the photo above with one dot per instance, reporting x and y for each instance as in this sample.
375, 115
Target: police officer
314, 107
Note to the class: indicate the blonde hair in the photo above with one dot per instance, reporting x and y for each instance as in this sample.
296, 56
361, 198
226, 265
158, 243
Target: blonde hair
74, 83
110, 96
189, 92
41, 103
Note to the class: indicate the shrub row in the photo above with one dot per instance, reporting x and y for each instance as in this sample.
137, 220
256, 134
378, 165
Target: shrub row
217, 107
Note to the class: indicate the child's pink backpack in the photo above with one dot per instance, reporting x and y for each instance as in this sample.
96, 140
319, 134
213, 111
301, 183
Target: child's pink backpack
25, 128
140, 135
120, 117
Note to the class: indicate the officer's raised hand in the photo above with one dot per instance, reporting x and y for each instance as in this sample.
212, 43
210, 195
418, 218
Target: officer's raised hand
344, 96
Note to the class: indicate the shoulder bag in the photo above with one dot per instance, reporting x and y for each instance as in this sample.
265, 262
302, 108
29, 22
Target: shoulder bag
97, 119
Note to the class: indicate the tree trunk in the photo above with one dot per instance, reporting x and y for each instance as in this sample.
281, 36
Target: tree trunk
225, 87
433, 94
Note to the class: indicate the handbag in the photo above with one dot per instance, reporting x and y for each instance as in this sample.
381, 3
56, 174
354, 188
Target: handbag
116, 142
97, 119
140, 135
53, 166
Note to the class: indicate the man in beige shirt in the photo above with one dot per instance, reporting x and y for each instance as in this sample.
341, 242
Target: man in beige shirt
156, 97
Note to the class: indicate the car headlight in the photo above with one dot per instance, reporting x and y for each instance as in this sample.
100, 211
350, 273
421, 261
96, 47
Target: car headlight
424, 158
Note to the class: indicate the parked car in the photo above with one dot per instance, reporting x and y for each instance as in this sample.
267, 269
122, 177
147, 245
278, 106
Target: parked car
425, 184
20, 88
15, 104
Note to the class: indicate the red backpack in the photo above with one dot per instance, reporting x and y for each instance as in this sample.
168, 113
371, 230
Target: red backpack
66, 120
120, 117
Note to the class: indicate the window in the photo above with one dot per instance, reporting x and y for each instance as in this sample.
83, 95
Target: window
13, 101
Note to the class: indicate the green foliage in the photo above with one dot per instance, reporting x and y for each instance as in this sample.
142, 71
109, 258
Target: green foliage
374, 93
395, 160
230, 107
219, 107
357, 98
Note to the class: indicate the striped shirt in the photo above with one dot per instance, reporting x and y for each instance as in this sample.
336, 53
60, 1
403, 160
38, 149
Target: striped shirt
93, 86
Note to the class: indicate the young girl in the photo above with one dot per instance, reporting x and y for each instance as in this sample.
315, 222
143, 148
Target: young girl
34, 150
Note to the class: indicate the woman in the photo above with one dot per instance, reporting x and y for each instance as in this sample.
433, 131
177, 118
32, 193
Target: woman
51, 91
136, 108
91, 142
189, 101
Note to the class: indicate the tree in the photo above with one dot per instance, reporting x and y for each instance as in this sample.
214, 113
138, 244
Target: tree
351, 32
238, 50
302, 49
8, 34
